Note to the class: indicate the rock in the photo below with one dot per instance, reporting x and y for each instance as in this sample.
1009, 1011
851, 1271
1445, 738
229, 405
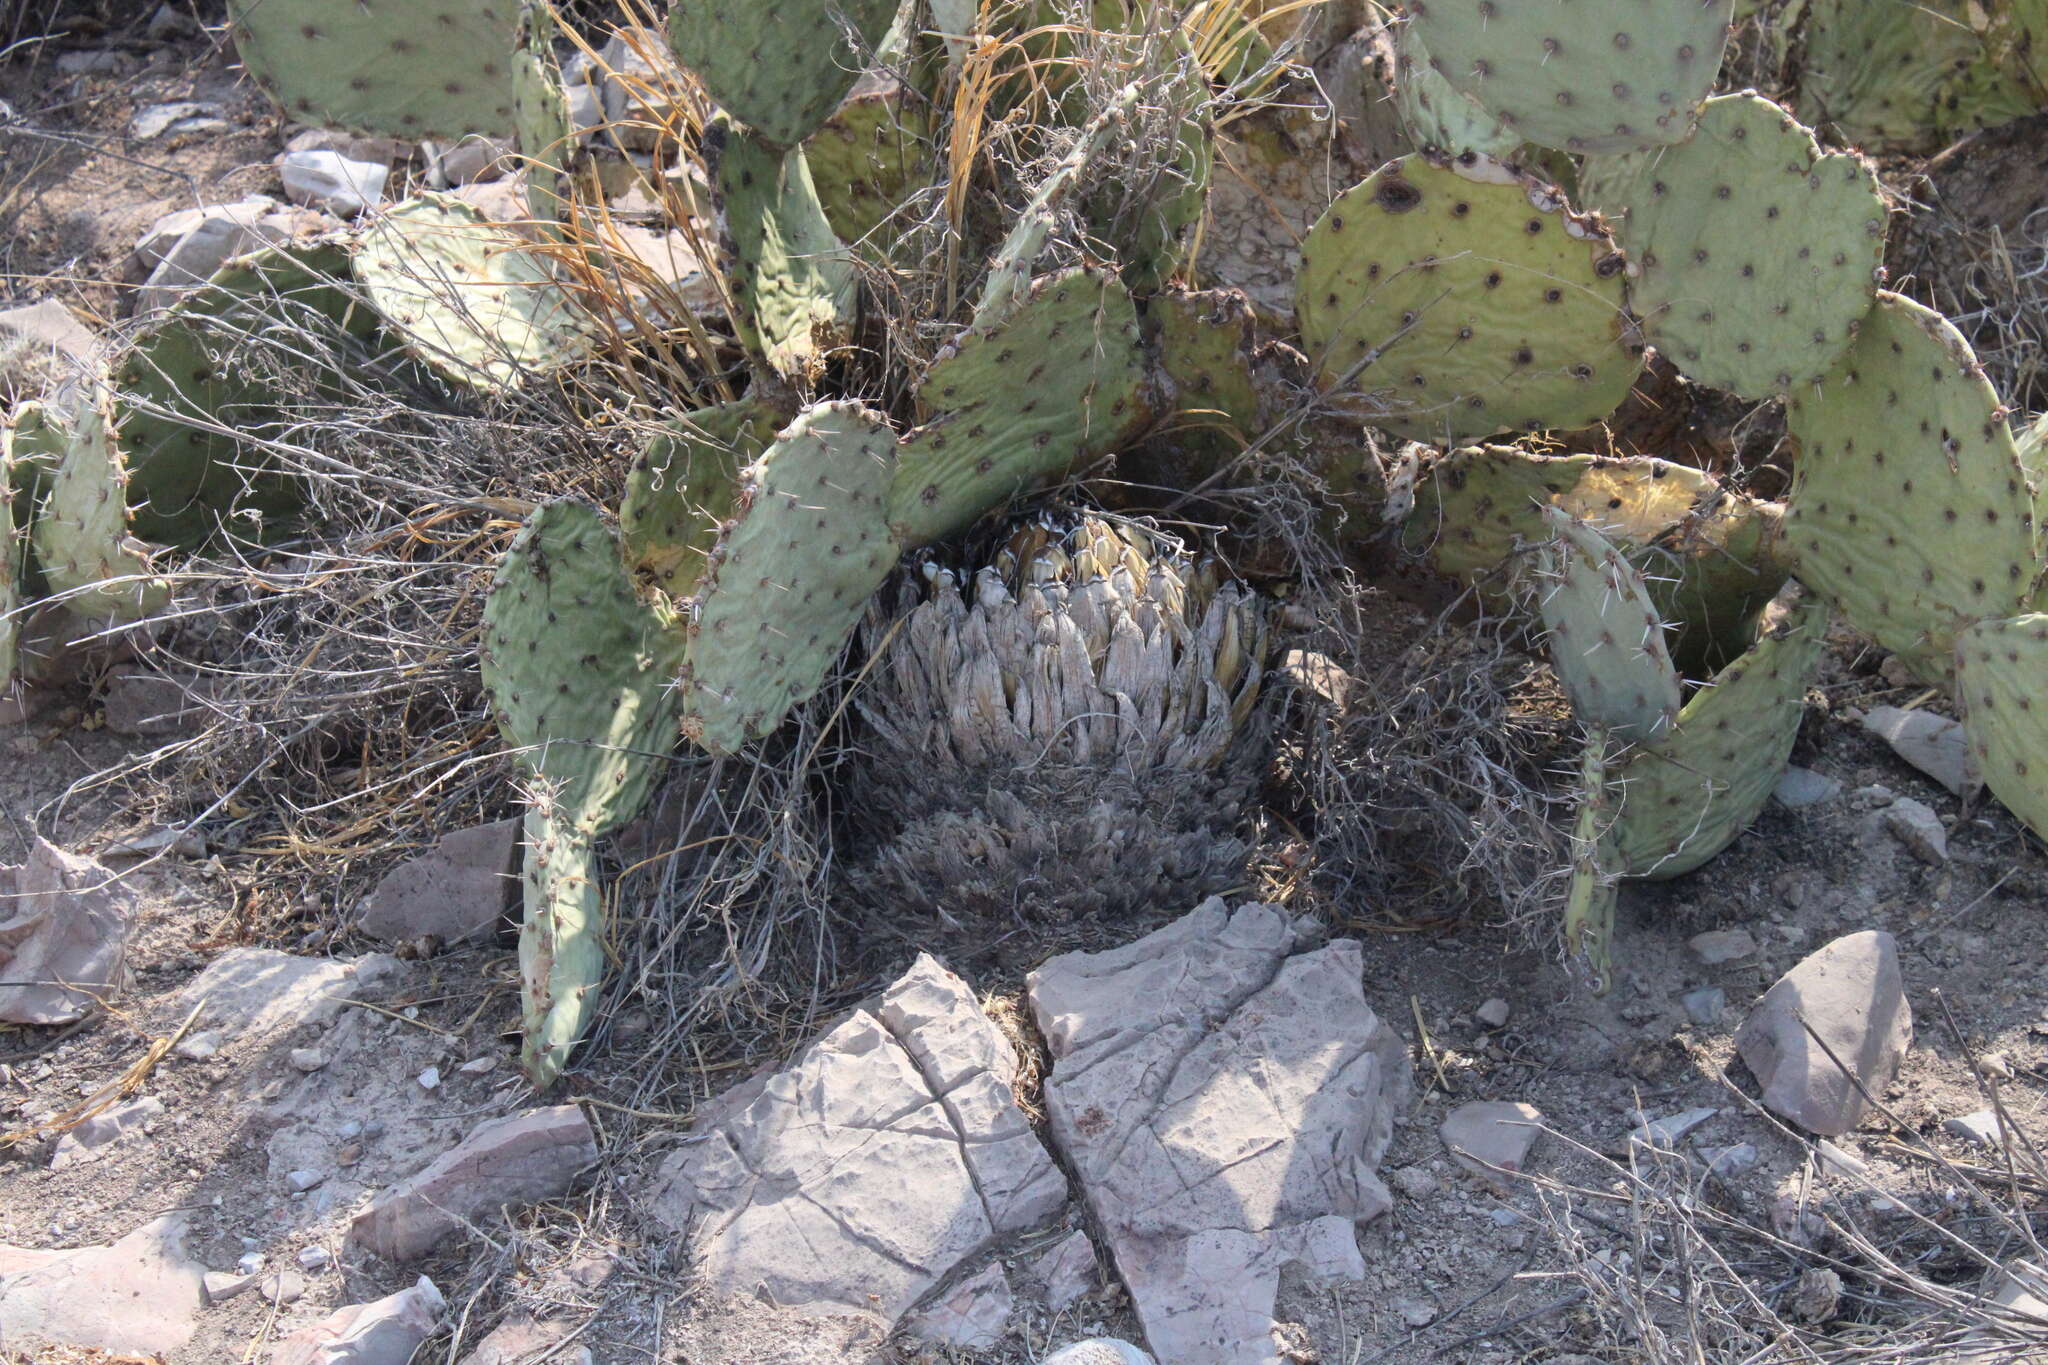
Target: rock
385, 1332
1933, 744
1486, 1134
430, 1078
176, 118
1223, 1098
98, 62
1727, 1161
251, 1263
1068, 1271
971, 1315
222, 1285
1415, 1182
332, 181
308, 1059
461, 888
252, 992
677, 275
301, 1181
1493, 1014
1914, 824
1668, 1131
2021, 1289
68, 920
144, 702
638, 94
168, 23
1098, 1351
1719, 946
50, 329
378, 151
1799, 788
1705, 1005
520, 1340
1980, 1128
501, 201
1415, 1312
286, 1286
1817, 1296
822, 1200
198, 1047
315, 1258
141, 1294
1851, 995
516, 1160
181, 843
104, 1128
475, 160
1837, 1161
586, 107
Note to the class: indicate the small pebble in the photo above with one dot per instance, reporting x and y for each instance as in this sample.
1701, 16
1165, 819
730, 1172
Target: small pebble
477, 1066
315, 1258
308, 1059
251, 1262
301, 1181
1493, 1014
430, 1078
1727, 1161
1415, 1312
1704, 1006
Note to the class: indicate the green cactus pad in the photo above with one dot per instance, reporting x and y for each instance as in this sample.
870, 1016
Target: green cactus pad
1909, 507
436, 69
1590, 901
1606, 639
579, 669
1687, 796
1582, 76
781, 69
790, 576
792, 278
1150, 224
1439, 116
191, 413
80, 531
681, 490
12, 557
1754, 255
1009, 270
1909, 76
1463, 299
869, 159
466, 295
1020, 404
1999, 669
1205, 343
544, 131
561, 943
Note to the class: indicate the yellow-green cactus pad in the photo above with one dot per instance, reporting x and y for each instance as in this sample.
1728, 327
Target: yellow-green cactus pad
1454, 299
80, 532
1580, 75
792, 279
1439, 116
2000, 668
1753, 255
466, 295
869, 159
682, 489
561, 942
1909, 506
425, 69
1606, 639
1907, 76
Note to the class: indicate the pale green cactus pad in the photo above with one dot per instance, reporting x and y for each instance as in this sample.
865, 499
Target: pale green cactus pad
2000, 666
12, 559
869, 159
1687, 796
89, 561
542, 127
681, 490
1606, 639
1438, 115
1150, 225
781, 69
466, 295
190, 413
1580, 75
1916, 75
1591, 898
1909, 507
789, 578
792, 279
1462, 299
434, 69
1754, 255
580, 669
561, 942
1020, 404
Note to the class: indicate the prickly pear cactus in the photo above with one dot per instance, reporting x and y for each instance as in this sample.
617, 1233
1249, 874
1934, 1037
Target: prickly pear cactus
781, 69
1150, 225
1999, 669
1686, 796
80, 533
466, 296
1606, 639
808, 545
792, 278
1020, 404
580, 669
1464, 298
1753, 255
1590, 901
1439, 116
1580, 75
682, 488
436, 69
544, 132
1909, 506
12, 560
191, 414
1914, 76
869, 159
561, 941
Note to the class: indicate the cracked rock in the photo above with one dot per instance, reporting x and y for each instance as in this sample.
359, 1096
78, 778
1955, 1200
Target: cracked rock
971, 1315
67, 921
1067, 1271
823, 1200
1851, 995
1224, 1098
140, 1294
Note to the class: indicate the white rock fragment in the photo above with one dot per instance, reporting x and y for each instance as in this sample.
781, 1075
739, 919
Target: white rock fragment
333, 182
1914, 824
1933, 744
